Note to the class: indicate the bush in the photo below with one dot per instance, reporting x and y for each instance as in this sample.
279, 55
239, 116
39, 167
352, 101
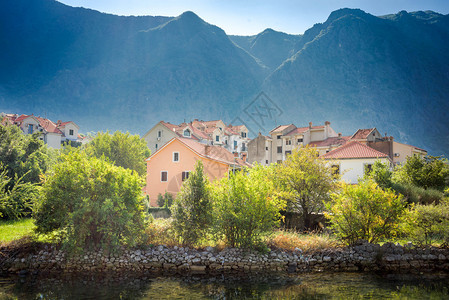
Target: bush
92, 203
364, 211
381, 173
424, 224
192, 209
244, 206
165, 200
418, 195
17, 200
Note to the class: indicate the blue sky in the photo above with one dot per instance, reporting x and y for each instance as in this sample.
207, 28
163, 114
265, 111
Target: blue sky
248, 17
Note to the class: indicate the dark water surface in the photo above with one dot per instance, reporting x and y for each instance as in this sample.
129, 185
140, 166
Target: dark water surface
302, 286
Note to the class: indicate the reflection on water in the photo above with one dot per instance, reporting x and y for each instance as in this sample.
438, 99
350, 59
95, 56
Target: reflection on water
256, 286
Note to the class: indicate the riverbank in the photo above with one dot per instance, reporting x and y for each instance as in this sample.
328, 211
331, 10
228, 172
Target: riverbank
35, 258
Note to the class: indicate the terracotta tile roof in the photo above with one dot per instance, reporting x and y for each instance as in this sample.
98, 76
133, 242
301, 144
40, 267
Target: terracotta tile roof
279, 128
48, 125
354, 149
362, 134
331, 141
298, 130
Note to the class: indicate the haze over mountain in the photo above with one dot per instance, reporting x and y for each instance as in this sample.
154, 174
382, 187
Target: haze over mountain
111, 72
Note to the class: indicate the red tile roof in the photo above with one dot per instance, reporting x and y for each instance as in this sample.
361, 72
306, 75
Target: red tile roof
48, 125
298, 130
332, 141
354, 149
362, 134
279, 128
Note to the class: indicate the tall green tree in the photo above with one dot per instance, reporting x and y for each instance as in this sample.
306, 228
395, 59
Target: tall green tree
305, 181
22, 155
192, 208
245, 206
123, 149
91, 203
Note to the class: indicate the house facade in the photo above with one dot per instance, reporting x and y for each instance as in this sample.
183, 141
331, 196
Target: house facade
216, 133
354, 159
171, 164
53, 134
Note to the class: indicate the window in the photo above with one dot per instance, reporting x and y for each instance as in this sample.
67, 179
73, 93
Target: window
185, 175
164, 176
187, 132
71, 132
30, 128
217, 138
279, 161
235, 145
279, 149
156, 146
244, 134
300, 141
368, 168
288, 142
175, 156
335, 170
243, 147
266, 148
288, 153
278, 137
266, 161
159, 133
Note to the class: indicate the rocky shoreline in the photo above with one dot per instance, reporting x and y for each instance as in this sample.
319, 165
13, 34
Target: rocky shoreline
362, 257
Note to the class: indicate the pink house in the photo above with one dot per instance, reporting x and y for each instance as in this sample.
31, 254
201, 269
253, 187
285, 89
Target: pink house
171, 164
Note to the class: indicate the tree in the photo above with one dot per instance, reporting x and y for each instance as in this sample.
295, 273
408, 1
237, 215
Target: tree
91, 203
304, 181
123, 149
430, 172
165, 200
192, 208
22, 155
364, 212
381, 173
244, 206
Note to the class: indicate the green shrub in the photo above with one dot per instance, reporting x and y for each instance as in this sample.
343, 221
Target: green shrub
381, 173
424, 224
244, 206
165, 200
192, 209
17, 200
364, 211
92, 203
418, 195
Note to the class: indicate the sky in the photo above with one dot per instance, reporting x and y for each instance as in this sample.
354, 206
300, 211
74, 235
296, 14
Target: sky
249, 17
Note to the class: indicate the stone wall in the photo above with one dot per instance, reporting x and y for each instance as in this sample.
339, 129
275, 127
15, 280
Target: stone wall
363, 257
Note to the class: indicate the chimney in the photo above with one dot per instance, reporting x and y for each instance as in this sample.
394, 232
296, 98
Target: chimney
196, 120
59, 122
339, 134
310, 124
327, 123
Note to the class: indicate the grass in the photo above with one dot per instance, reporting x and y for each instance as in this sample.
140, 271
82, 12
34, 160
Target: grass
290, 240
15, 230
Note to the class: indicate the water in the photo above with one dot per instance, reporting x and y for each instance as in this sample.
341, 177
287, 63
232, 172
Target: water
302, 286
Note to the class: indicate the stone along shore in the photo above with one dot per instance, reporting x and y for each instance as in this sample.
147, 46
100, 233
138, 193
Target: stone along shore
363, 257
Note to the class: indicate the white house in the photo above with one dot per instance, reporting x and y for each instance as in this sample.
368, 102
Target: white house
353, 159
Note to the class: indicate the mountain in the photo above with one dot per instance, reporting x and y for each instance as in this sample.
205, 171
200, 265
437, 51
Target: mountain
270, 47
359, 71
114, 72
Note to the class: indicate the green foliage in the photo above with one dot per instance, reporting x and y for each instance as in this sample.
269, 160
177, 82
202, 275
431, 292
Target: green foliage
244, 206
381, 173
192, 209
427, 172
23, 156
305, 181
123, 149
416, 194
92, 203
364, 211
165, 200
17, 200
424, 224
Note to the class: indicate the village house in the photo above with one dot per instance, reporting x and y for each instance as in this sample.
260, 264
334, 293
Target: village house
171, 164
53, 134
354, 159
216, 133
